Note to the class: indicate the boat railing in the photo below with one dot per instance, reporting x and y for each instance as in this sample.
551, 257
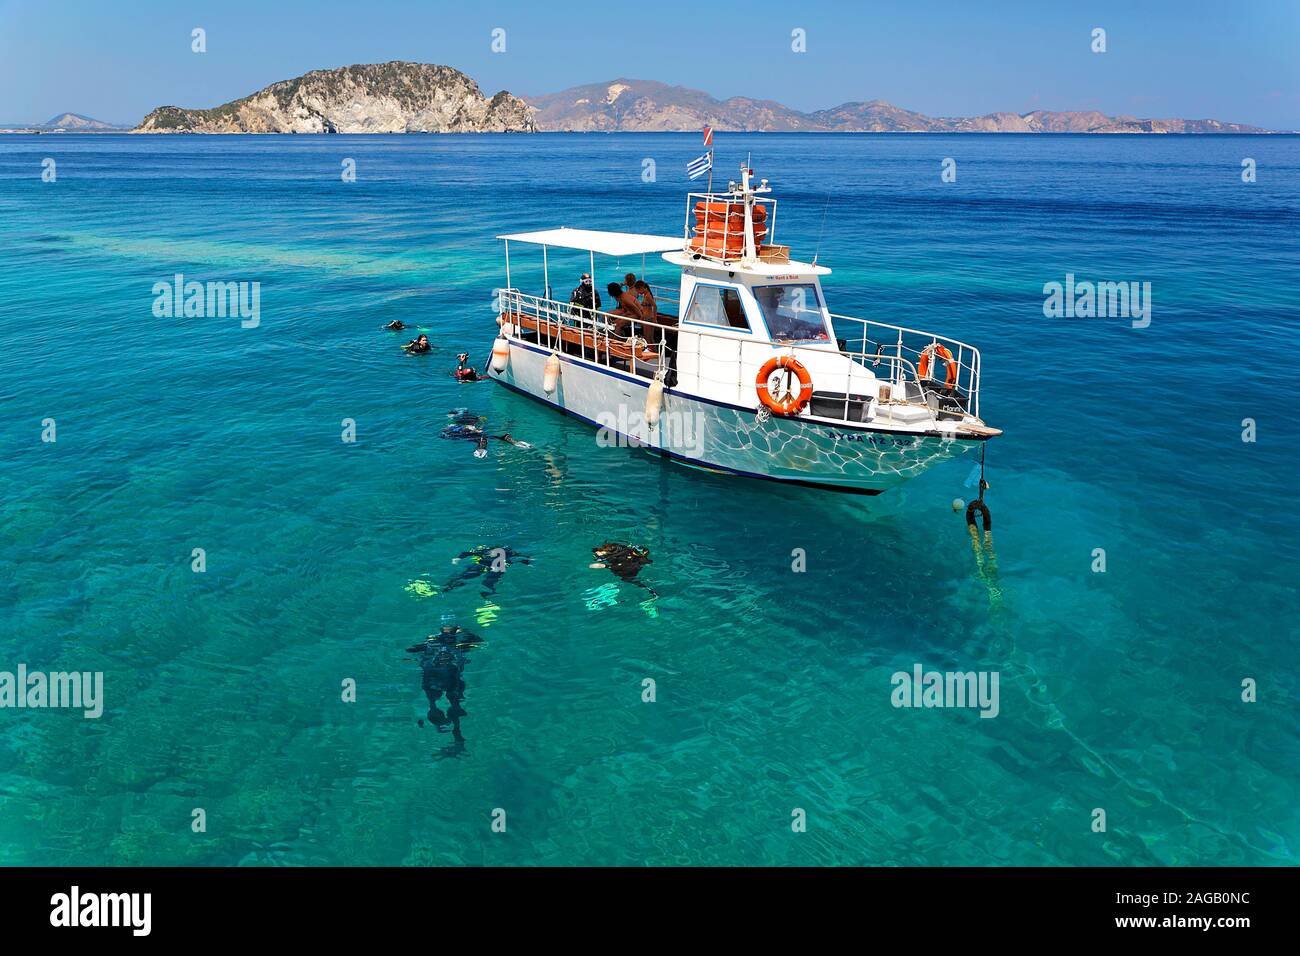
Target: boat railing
879, 352
595, 330
867, 341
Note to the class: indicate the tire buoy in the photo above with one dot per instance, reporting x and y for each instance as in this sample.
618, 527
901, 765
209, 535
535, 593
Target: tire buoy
979, 505
500, 355
654, 402
551, 374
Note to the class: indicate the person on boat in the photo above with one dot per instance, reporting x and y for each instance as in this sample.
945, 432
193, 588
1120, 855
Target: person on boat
585, 296
628, 311
442, 658
464, 371
395, 326
624, 560
649, 310
418, 346
629, 282
487, 563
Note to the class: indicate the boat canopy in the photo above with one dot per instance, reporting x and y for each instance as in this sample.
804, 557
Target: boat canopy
606, 243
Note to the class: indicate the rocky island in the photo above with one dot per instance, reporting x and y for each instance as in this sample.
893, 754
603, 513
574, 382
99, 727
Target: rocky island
394, 97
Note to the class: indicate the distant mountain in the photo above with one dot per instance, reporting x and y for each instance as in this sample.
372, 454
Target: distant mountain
400, 97
75, 121
876, 116
395, 97
645, 105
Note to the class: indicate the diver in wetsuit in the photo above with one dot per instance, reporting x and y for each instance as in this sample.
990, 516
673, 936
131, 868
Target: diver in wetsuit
464, 425
625, 560
486, 563
418, 346
442, 659
395, 326
464, 372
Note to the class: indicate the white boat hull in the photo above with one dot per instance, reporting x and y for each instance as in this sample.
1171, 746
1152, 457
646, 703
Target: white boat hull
844, 457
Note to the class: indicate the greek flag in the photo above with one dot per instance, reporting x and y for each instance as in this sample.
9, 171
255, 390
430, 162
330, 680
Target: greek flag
699, 166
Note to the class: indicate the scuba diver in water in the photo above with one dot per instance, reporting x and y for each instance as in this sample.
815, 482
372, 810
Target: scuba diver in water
442, 659
467, 426
464, 372
418, 346
395, 326
487, 563
625, 560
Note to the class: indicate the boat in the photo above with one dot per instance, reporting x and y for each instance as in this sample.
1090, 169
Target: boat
743, 371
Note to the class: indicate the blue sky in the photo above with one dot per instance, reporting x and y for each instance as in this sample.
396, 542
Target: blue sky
1236, 61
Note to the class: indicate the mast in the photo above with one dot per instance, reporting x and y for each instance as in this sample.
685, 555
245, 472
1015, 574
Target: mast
747, 193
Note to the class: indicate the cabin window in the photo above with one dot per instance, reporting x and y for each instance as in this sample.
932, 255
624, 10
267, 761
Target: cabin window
793, 313
717, 305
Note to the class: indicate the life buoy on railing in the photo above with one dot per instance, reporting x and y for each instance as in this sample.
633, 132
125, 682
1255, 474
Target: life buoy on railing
791, 402
923, 367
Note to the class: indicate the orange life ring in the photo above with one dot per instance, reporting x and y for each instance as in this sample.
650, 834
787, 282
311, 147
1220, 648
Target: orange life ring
792, 403
923, 368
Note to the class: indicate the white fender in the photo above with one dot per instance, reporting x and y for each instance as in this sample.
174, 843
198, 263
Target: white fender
500, 355
654, 402
551, 375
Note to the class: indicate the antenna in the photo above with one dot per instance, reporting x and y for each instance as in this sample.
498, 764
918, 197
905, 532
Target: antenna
822, 230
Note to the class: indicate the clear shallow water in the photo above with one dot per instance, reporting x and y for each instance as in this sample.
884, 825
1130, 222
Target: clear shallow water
1118, 690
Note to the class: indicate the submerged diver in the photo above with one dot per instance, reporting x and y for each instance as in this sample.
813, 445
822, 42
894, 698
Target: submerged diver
417, 346
625, 560
442, 659
464, 372
395, 326
487, 563
470, 427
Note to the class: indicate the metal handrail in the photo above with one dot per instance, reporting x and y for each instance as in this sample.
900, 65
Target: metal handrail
965, 355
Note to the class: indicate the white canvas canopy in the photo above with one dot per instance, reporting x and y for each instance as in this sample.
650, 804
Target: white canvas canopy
591, 241
606, 243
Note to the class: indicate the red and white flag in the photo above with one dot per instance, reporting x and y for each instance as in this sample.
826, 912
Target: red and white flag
708, 136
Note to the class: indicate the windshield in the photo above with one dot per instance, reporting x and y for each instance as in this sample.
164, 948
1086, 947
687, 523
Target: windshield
793, 312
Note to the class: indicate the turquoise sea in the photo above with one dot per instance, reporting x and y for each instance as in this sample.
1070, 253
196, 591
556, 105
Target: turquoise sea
325, 560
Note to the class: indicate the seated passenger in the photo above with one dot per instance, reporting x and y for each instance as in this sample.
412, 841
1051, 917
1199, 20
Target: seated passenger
628, 309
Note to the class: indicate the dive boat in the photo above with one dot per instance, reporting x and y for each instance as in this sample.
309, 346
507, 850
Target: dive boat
743, 370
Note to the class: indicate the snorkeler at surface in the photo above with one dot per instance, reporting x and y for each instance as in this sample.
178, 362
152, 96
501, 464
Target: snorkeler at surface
625, 560
442, 659
395, 326
488, 563
464, 371
417, 346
